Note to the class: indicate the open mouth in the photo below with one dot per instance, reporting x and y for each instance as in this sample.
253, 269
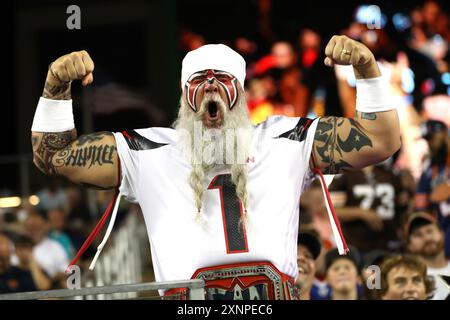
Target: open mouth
212, 114
213, 111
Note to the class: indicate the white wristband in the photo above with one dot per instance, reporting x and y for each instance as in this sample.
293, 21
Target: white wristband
53, 116
373, 95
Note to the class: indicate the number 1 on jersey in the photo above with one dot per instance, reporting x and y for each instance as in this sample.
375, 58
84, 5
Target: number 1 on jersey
232, 212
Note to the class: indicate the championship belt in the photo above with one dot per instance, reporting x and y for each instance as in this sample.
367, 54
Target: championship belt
242, 281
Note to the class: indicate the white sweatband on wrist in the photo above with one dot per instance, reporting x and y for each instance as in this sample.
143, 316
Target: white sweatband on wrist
53, 116
373, 95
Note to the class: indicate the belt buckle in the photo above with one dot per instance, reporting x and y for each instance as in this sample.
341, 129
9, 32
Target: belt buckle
246, 281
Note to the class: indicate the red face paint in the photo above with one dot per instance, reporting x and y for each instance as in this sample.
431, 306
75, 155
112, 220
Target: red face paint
227, 81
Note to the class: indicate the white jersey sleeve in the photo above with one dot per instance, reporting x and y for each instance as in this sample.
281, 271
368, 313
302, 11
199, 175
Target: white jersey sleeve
131, 145
301, 131
306, 155
129, 168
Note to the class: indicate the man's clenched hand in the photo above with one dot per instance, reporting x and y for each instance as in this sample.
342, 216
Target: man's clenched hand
345, 51
77, 65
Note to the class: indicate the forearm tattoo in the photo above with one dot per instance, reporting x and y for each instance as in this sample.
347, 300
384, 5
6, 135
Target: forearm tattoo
46, 144
61, 92
331, 147
56, 92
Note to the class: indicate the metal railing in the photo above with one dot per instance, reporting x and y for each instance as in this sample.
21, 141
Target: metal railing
195, 286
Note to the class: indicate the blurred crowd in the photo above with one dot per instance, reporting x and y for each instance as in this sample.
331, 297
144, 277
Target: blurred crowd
38, 242
395, 215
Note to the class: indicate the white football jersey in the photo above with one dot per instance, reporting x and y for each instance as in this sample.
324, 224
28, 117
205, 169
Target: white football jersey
155, 174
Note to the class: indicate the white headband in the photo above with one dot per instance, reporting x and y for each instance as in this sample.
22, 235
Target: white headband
216, 57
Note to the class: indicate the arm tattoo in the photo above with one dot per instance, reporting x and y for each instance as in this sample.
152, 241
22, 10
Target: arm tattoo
46, 144
57, 92
81, 155
61, 92
366, 115
34, 141
85, 157
88, 138
54, 150
331, 146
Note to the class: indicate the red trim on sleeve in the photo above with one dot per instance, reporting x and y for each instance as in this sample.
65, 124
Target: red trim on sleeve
126, 135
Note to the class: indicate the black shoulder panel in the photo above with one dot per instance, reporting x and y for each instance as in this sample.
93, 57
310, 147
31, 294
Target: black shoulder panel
299, 132
137, 142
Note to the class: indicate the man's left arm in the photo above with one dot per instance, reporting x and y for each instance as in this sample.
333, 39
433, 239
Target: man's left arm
373, 135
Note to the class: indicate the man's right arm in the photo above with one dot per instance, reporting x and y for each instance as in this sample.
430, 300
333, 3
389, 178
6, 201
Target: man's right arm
90, 159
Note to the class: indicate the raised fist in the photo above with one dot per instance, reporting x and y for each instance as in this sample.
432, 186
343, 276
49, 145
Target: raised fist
77, 65
345, 51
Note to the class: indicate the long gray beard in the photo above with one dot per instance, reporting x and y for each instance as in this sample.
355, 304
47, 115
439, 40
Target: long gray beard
229, 146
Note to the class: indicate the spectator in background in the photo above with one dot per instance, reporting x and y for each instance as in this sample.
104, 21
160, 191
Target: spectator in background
259, 96
308, 249
424, 238
79, 216
309, 43
370, 214
27, 263
404, 277
430, 33
79, 219
313, 201
321, 95
190, 40
12, 279
433, 190
247, 48
343, 275
57, 221
407, 196
286, 92
49, 254
430, 13
53, 196
287, 74
436, 107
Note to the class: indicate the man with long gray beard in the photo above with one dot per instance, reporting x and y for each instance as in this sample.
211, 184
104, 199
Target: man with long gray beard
220, 196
